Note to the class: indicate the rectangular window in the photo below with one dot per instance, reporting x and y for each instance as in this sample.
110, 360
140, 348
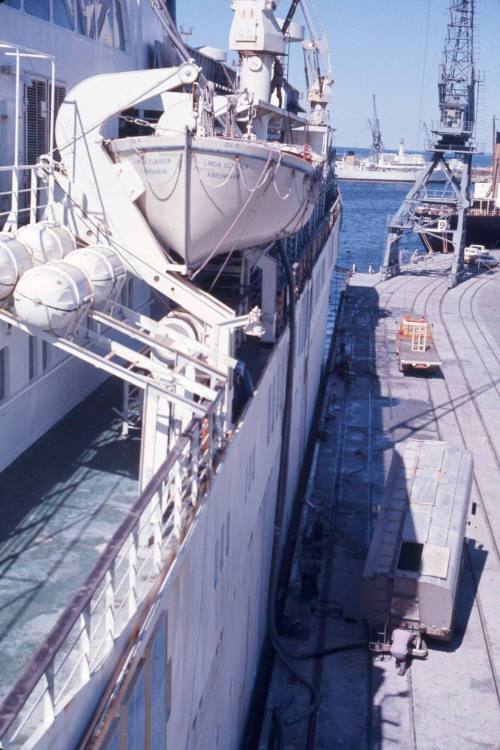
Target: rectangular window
85, 18
169, 688
104, 21
63, 13
228, 536
3, 372
45, 355
249, 477
269, 415
410, 556
221, 560
32, 351
216, 563
130, 293
38, 8
118, 26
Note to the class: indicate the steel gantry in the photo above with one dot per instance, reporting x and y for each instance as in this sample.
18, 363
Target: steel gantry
436, 210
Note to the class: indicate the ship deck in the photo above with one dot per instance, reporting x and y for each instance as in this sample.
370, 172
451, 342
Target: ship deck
61, 501
451, 699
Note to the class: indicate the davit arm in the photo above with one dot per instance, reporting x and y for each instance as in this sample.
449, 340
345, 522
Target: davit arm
98, 206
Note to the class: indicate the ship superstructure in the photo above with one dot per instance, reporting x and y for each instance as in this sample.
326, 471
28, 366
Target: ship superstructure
380, 165
228, 214
385, 167
483, 215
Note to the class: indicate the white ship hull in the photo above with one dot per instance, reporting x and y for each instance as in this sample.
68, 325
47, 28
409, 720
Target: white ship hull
376, 174
202, 641
165, 648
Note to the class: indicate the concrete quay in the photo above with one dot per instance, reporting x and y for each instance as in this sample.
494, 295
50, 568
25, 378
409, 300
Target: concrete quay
353, 699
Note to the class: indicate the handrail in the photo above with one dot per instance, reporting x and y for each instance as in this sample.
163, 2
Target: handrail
42, 659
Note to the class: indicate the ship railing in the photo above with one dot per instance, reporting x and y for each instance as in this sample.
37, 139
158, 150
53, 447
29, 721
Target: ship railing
27, 197
23, 195
128, 573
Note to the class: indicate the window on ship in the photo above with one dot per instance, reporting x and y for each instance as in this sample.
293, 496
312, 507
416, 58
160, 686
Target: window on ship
97, 19
3, 372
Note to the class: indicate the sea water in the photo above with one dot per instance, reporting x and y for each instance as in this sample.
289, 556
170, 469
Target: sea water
368, 206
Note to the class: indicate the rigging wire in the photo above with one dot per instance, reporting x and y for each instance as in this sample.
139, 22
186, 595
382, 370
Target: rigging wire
422, 84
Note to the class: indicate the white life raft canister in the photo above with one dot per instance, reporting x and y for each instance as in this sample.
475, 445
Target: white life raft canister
103, 268
46, 241
14, 261
53, 297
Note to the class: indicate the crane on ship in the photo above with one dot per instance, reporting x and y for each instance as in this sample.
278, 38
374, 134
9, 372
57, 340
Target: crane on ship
437, 214
317, 60
374, 125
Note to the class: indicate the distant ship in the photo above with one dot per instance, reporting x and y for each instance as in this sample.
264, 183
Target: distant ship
382, 166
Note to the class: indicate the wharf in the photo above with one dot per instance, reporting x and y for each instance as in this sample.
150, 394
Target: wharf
61, 502
451, 699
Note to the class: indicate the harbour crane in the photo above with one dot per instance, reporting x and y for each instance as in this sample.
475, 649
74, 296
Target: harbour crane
437, 213
374, 124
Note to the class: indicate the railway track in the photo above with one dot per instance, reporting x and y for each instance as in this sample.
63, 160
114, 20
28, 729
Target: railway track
492, 539
422, 298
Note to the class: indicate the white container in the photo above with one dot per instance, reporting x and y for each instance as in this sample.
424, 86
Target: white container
46, 241
14, 261
103, 268
53, 297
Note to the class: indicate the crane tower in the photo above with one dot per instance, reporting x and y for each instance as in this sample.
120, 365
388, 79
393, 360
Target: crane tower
436, 211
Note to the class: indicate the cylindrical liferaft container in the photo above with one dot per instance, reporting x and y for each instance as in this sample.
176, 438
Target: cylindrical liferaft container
53, 297
103, 267
14, 261
46, 241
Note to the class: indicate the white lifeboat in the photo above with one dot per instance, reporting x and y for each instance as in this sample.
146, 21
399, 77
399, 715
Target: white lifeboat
214, 195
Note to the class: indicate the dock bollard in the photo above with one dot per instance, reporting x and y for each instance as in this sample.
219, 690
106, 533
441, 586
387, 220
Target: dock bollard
370, 269
354, 268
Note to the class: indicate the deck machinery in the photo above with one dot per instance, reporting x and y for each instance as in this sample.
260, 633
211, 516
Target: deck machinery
437, 212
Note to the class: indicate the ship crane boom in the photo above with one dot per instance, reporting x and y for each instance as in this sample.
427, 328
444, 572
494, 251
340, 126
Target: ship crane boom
374, 124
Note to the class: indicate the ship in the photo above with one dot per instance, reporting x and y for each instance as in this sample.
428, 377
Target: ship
169, 231
380, 165
483, 215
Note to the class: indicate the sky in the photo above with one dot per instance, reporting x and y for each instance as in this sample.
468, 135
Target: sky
390, 48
